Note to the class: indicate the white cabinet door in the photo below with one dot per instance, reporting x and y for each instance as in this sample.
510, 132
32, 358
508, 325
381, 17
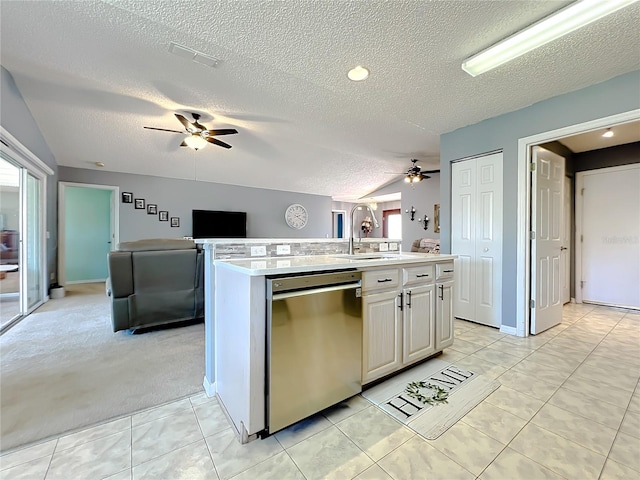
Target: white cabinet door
418, 325
382, 330
444, 315
547, 208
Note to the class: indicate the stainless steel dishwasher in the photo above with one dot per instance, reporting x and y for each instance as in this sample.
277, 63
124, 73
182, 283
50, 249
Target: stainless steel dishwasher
314, 344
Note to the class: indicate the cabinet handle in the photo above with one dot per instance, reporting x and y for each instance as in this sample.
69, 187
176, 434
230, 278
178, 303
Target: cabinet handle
400, 306
384, 280
420, 275
441, 291
448, 271
409, 299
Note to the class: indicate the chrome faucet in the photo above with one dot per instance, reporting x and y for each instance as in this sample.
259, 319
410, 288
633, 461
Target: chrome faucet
373, 217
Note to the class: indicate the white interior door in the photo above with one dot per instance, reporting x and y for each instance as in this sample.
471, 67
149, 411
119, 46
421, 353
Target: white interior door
566, 243
488, 248
547, 213
463, 227
610, 228
476, 237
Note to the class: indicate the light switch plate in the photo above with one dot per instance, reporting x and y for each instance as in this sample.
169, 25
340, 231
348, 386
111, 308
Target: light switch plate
384, 247
259, 251
283, 249
393, 246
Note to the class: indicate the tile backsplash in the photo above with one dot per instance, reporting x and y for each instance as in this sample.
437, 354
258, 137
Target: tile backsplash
224, 250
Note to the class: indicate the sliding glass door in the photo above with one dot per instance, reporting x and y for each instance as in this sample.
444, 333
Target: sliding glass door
33, 233
9, 242
21, 241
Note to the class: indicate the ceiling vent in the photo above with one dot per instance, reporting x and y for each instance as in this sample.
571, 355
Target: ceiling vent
193, 55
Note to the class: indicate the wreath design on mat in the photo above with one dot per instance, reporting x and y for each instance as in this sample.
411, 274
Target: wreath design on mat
434, 395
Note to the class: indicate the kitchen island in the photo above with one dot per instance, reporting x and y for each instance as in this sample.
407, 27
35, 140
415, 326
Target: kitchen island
406, 317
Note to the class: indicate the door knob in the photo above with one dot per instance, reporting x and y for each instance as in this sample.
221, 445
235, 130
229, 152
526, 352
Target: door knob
485, 249
563, 248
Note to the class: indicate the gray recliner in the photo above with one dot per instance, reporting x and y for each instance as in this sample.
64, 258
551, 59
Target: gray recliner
155, 282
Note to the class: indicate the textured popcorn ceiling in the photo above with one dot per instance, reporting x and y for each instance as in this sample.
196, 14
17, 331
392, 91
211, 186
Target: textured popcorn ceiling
94, 73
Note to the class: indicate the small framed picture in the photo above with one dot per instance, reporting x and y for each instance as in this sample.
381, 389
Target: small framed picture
139, 202
175, 221
127, 197
152, 209
163, 215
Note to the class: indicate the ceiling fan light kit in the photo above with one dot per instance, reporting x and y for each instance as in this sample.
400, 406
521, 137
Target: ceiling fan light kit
195, 141
564, 21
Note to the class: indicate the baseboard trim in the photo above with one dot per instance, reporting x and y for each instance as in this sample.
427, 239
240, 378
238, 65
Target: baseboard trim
96, 280
509, 330
209, 388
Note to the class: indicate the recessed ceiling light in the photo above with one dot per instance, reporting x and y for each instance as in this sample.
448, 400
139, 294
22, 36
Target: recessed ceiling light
99, 164
358, 74
608, 133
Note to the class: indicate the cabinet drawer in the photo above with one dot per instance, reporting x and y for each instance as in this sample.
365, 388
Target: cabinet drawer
444, 270
419, 274
377, 279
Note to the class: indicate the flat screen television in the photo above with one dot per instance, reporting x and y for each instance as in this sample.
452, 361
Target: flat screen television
219, 224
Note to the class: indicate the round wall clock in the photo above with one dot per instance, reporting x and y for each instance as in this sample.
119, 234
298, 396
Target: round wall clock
296, 216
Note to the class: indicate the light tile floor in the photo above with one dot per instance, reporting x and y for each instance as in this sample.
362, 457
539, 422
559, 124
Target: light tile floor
568, 407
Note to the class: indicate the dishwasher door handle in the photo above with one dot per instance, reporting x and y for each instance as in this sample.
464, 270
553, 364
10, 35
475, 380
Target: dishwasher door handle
300, 293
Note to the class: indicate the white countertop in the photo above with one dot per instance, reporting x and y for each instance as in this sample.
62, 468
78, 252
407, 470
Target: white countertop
314, 263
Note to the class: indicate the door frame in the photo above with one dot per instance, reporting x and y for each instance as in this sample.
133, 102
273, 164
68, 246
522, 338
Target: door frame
523, 256
114, 212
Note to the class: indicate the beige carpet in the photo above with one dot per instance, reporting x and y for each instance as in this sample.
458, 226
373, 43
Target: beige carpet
63, 368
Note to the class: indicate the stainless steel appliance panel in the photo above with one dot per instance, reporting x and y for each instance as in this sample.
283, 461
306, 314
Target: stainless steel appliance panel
314, 345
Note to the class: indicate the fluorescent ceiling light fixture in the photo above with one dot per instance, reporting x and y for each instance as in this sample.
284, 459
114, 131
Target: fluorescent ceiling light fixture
357, 74
564, 21
608, 133
195, 141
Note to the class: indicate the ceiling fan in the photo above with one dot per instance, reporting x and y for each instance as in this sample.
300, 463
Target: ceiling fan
415, 173
197, 135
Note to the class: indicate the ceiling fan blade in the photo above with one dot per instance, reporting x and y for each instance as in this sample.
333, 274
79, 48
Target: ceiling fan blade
218, 142
187, 124
163, 129
429, 171
224, 131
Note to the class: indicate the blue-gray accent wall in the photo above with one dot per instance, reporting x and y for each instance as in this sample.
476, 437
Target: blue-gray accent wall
617, 95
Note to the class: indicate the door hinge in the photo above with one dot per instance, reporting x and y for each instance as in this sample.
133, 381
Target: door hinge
582, 191
581, 238
532, 303
532, 167
532, 235
581, 283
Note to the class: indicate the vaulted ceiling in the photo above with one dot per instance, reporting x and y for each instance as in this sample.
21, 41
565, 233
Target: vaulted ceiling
93, 73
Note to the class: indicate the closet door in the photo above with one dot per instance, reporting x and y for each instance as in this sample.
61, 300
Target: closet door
488, 236
476, 237
463, 231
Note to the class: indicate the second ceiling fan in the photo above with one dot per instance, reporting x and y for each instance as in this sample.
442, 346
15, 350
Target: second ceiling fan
197, 135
